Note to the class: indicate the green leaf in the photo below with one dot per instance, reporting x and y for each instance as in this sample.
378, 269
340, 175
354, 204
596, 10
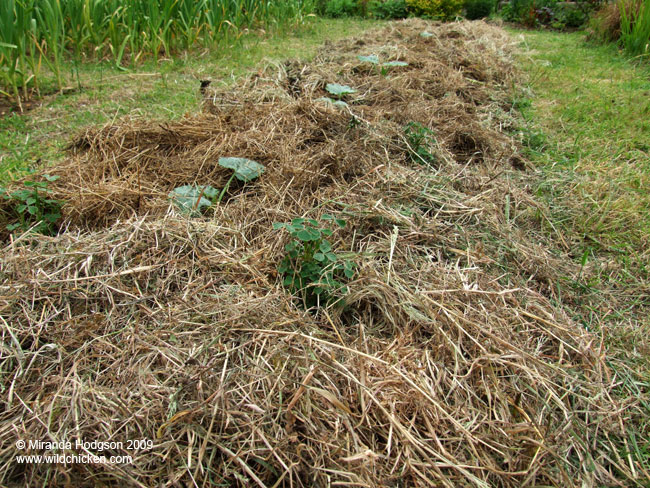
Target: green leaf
373, 58
426, 34
21, 208
339, 90
326, 232
325, 246
324, 100
30, 201
245, 169
315, 234
348, 272
51, 178
340, 222
210, 191
331, 256
187, 199
319, 256
304, 235
327, 217
278, 225
390, 64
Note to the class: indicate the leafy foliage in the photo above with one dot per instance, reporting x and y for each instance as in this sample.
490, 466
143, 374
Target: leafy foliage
244, 169
310, 269
192, 200
339, 90
336, 103
373, 59
342, 8
559, 15
421, 142
33, 208
436, 9
389, 9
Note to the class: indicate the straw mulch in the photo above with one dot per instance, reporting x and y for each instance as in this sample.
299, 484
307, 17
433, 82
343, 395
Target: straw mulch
451, 362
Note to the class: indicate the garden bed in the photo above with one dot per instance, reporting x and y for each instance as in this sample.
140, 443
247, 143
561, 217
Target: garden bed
449, 362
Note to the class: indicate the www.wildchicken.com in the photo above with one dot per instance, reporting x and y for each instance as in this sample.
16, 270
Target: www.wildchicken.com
85, 457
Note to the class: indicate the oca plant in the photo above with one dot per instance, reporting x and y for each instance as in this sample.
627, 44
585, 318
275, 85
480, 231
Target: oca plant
311, 269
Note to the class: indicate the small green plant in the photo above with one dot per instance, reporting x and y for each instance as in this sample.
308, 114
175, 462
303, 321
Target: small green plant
192, 199
329, 101
385, 67
339, 91
421, 141
310, 269
33, 208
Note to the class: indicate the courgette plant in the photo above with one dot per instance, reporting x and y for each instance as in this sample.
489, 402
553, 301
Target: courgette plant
193, 199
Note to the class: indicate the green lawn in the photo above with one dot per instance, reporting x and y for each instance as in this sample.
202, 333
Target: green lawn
588, 132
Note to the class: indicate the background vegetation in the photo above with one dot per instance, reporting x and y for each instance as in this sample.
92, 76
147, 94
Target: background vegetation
37, 34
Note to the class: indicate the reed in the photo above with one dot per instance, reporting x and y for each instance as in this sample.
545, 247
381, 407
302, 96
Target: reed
635, 27
34, 33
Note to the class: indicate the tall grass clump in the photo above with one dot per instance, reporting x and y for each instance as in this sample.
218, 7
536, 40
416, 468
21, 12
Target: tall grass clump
38, 33
635, 27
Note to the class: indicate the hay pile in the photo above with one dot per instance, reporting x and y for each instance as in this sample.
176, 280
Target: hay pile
451, 363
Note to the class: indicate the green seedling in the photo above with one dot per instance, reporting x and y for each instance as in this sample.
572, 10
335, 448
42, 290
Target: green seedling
193, 200
245, 170
383, 68
339, 91
311, 269
336, 103
421, 141
33, 208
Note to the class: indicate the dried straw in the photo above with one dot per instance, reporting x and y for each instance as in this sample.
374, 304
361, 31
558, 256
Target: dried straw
451, 363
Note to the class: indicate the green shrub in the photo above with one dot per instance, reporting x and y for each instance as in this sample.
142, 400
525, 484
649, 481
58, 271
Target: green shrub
342, 8
310, 269
570, 15
389, 9
436, 9
478, 9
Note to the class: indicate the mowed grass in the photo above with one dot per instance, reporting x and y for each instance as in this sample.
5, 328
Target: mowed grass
591, 110
588, 132
163, 89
